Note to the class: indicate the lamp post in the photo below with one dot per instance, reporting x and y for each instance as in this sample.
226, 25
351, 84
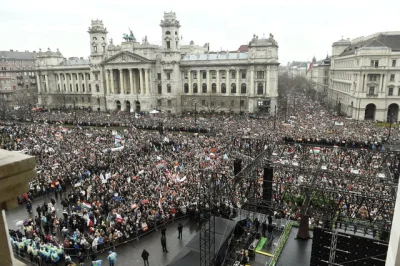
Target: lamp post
75, 112
275, 118
195, 113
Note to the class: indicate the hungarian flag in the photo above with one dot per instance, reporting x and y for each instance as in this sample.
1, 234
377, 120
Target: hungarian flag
86, 205
308, 67
315, 150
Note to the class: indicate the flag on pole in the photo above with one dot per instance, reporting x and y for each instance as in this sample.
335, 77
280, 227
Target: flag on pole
308, 67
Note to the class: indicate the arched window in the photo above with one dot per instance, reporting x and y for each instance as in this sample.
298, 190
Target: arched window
195, 88
95, 48
168, 44
90, 87
167, 32
186, 88
204, 88
223, 88
169, 88
214, 88
260, 88
176, 33
65, 87
243, 88
83, 87
233, 88
77, 88
94, 39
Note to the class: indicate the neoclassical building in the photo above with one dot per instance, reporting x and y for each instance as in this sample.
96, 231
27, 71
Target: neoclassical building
365, 77
139, 76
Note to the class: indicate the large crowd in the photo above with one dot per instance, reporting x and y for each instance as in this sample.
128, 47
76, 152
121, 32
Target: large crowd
128, 178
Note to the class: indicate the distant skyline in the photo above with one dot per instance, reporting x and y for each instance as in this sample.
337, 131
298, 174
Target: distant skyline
303, 29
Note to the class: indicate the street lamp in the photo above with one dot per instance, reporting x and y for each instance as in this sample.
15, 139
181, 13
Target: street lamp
195, 113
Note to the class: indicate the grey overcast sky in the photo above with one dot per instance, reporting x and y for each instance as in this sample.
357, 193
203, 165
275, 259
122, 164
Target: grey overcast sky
302, 28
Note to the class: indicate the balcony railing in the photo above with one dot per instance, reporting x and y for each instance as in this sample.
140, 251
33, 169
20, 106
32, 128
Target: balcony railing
20, 77
371, 95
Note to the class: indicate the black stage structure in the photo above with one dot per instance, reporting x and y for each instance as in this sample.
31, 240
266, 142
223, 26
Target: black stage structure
264, 187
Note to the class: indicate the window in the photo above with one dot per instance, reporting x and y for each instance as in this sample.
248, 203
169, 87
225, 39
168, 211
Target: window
233, 74
390, 93
185, 75
186, 88
103, 49
159, 89
241, 103
158, 102
232, 103
223, 73
233, 88
88, 99
243, 88
398, 92
260, 88
70, 87
214, 88
169, 102
392, 77
204, 88
203, 102
83, 87
243, 75
372, 77
94, 39
58, 87
98, 101
223, 88
169, 88
159, 76
213, 74
95, 48
90, 87
65, 87
88, 76
97, 88
167, 33
194, 75
204, 75
393, 63
371, 90
168, 44
168, 76
195, 88
83, 99
374, 63
96, 76
77, 88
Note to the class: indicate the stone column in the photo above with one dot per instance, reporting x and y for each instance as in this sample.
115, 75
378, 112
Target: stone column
228, 83
131, 79
198, 82
66, 82
237, 82
218, 85
134, 81
141, 80
47, 83
79, 82
146, 78
208, 82
268, 85
190, 82
38, 83
107, 87
112, 81
252, 83
121, 81
16, 170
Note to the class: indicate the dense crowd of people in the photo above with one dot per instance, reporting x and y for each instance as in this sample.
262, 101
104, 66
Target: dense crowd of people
127, 179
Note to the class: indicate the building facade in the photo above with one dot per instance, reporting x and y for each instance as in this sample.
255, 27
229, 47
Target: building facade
139, 76
365, 77
17, 78
319, 75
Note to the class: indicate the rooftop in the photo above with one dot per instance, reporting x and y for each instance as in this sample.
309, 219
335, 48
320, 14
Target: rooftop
383, 39
75, 62
215, 56
15, 55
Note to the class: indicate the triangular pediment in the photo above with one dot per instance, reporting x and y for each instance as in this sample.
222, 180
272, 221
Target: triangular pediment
126, 57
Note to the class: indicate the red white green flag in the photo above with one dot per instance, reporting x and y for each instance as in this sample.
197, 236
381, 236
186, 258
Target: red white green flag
308, 67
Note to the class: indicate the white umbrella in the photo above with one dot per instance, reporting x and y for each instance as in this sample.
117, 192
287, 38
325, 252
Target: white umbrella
154, 112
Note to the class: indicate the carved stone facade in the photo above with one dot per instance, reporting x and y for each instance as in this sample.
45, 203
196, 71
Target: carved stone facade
139, 76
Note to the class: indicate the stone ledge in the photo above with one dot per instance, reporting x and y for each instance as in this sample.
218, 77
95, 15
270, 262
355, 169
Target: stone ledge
14, 163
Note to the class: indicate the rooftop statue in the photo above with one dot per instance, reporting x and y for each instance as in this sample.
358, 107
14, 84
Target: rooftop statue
130, 37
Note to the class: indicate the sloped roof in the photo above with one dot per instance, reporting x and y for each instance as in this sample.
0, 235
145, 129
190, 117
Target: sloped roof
17, 55
243, 48
381, 40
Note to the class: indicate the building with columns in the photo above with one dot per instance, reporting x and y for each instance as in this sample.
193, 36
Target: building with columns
139, 76
365, 77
